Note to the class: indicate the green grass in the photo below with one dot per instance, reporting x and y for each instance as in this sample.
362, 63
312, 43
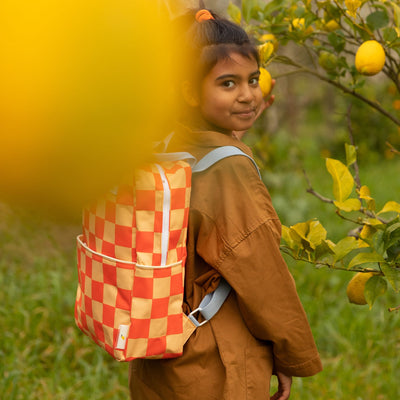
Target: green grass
358, 346
44, 356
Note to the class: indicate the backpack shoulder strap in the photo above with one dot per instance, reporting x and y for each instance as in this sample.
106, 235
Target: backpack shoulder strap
219, 154
212, 302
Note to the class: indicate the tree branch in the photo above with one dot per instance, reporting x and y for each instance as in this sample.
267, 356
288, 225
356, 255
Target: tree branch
355, 165
316, 263
313, 192
373, 104
392, 148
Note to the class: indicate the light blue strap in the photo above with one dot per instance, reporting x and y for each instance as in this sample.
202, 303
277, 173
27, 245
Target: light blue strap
219, 154
211, 303
208, 160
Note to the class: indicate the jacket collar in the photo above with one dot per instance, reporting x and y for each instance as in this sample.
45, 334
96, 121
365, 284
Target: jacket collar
203, 141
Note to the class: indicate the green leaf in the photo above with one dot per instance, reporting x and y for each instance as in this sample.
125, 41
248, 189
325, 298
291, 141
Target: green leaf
392, 238
374, 287
324, 252
343, 181
351, 154
374, 222
396, 12
235, 13
365, 194
297, 240
316, 232
250, 7
286, 236
348, 205
299, 12
344, 247
394, 229
378, 243
275, 5
389, 34
392, 275
307, 234
364, 258
393, 252
378, 19
337, 41
367, 232
300, 229
390, 206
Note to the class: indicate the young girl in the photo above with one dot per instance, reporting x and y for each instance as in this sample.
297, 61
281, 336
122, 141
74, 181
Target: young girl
233, 233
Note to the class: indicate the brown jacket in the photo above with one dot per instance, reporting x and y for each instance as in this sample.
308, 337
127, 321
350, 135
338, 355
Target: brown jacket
234, 232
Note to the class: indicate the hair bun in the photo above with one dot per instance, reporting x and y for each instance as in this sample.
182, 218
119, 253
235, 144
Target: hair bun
203, 15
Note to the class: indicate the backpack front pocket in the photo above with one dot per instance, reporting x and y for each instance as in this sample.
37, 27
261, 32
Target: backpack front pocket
104, 297
157, 316
129, 310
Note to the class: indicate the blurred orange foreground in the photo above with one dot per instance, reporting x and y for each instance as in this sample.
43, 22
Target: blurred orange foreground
82, 96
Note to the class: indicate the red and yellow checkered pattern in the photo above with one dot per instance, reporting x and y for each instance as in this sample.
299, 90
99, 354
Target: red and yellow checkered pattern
127, 302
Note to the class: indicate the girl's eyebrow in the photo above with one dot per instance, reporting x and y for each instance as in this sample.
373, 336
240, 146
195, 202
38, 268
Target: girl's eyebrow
227, 76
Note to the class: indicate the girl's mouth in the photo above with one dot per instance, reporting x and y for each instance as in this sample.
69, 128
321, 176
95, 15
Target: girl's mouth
248, 113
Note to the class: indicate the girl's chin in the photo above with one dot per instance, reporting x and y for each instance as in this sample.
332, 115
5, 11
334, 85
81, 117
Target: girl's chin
242, 127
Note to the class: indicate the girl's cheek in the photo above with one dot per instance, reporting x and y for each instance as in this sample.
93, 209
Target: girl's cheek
260, 98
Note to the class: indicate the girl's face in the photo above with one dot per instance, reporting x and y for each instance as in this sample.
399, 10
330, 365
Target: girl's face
230, 96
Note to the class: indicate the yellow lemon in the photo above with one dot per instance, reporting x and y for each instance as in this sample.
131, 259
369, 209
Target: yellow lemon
265, 81
355, 288
269, 37
370, 58
331, 26
265, 51
298, 23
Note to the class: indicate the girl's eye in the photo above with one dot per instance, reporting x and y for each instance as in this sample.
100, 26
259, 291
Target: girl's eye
254, 81
228, 84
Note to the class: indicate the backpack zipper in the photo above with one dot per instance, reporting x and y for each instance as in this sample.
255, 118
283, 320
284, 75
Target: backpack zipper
165, 217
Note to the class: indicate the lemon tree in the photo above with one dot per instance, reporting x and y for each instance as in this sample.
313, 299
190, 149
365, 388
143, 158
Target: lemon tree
343, 43
372, 248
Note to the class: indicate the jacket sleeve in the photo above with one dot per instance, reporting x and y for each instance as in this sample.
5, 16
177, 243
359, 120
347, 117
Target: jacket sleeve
269, 302
240, 239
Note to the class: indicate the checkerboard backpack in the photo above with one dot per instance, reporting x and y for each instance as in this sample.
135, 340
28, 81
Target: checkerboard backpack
131, 258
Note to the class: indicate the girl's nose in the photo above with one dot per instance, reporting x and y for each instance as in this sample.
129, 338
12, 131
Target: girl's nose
245, 94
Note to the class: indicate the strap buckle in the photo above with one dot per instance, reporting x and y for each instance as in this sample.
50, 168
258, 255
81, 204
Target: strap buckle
193, 318
211, 303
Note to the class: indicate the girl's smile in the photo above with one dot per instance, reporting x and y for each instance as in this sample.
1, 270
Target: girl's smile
230, 96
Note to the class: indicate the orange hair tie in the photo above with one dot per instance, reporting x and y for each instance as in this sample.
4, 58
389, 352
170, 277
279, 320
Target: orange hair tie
203, 15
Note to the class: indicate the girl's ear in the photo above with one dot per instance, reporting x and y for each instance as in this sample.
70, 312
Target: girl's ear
189, 94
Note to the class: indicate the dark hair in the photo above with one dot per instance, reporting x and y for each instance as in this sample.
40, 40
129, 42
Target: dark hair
205, 43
